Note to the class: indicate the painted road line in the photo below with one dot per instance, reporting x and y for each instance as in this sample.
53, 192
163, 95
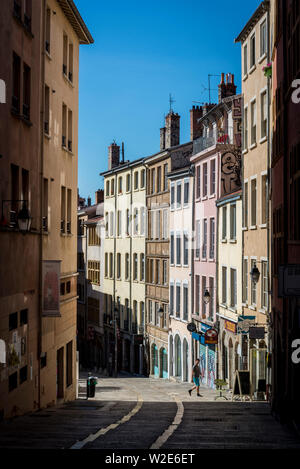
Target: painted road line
93, 436
174, 425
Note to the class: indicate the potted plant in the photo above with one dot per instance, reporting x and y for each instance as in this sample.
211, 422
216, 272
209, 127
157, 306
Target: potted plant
267, 69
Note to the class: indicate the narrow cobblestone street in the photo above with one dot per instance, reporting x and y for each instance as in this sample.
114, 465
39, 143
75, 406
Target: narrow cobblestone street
141, 413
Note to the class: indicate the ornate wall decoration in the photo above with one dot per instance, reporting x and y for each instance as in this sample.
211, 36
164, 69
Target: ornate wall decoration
230, 172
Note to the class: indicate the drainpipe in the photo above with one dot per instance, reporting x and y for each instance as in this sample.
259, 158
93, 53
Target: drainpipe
269, 179
114, 275
192, 173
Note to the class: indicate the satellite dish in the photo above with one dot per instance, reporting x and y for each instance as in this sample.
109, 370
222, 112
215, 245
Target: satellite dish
191, 327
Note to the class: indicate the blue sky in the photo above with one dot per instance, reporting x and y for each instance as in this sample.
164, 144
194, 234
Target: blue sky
142, 52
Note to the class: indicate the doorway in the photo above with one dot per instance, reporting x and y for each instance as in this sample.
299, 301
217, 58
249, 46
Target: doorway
60, 373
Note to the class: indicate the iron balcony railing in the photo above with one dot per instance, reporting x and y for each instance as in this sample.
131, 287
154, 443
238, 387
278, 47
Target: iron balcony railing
219, 137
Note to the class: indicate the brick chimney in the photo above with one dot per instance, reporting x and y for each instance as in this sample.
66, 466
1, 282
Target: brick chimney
172, 130
113, 156
89, 201
196, 127
162, 138
99, 196
227, 88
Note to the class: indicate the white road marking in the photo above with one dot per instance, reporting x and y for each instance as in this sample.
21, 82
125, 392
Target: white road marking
103, 431
174, 425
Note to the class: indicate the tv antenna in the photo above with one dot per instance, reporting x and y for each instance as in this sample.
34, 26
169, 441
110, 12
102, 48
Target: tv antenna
210, 75
171, 101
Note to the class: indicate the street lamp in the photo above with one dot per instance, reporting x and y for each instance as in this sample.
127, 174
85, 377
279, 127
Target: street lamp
206, 297
23, 217
254, 274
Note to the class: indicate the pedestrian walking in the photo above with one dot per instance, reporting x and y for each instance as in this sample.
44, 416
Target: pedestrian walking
196, 378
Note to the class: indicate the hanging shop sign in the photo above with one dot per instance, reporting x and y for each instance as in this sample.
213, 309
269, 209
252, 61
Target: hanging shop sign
51, 288
211, 336
256, 332
230, 326
244, 322
191, 327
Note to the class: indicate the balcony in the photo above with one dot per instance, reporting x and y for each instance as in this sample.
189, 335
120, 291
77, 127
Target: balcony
217, 138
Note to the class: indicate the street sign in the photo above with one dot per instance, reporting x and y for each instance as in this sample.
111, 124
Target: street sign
244, 322
211, 336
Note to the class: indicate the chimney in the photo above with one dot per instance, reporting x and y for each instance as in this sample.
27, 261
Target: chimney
226, 89
99, 196
113, 155
196, 127
89, 201
123, 153
172, 130
162, 138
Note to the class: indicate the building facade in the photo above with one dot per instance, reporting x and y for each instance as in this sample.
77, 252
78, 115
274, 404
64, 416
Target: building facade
180, 277
254, 39
38, 310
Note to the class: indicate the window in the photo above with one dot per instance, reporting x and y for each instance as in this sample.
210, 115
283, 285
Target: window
198, 182
150, 313
252, 51
126, 266
204, 180
47, 110
263, 38
178, 300
152, 224
172, 196
63, 209
23, 374
107, 188
253, 285
128, 183
245, 140
143, 173
166, 177
65, 54
245, 60
153, 180
245, 281
233, 292
165, 272
23, 317
224, 222
62, 288
203, 291
118, 265
94, 272
69, 211
253, 202
178, 198
135, 266
26, 91
171, 299
119, 223
70, 74
264, 285
70, 125
143, 220
151, 273
212, 238
264, 198
157, 226
93, 237
136, 222
245, 204
13, 381
45, 210
197, 295
112, 223
112, 187
224, 285
120, 185
185, 301
165, 214
142, 267
198, 239
185, 249
263, 114
68, 287
111, 265
64, 126
178, 249
16, 83
136, 180
158, 187
204, 246
127, 222
172, 249
157, 318
212, 177
13, 321
186, 193
106, 265
157, 279
48, 30
233, 221
253, 123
